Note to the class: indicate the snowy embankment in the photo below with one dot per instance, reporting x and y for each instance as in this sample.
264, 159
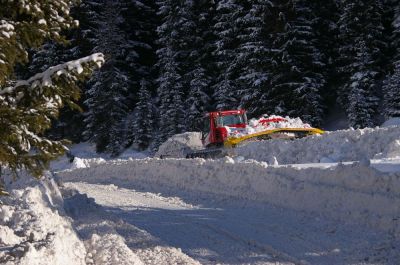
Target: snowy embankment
346, 145
34, 228
355, 193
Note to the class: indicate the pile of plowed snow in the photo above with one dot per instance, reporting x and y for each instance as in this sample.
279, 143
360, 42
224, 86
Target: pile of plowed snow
351, 193
265, 123
34, 228
337, 146
180, 145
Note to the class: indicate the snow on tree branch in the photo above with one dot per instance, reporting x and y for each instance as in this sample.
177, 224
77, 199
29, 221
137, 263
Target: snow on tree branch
28, 107
27, 24
45, 78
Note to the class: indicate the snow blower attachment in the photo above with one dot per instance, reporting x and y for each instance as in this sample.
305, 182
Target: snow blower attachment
230, 128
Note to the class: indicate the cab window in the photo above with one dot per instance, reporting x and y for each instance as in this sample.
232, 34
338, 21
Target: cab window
230, 120
205, 128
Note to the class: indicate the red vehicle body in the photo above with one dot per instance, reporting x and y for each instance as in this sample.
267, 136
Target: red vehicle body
214, 132
217, 123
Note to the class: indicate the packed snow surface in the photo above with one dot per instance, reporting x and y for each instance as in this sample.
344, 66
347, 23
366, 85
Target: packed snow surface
329, 199
337, 146
180, 145
391, 122
350, 193
34, 228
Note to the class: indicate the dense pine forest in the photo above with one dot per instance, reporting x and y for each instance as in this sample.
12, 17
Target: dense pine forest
169, 61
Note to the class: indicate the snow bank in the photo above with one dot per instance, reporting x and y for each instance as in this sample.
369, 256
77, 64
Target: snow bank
352, 193
110, 240
346, 145
84, 154
33, 227
391, 122
104, 245
180, 144
112, 249
77, 162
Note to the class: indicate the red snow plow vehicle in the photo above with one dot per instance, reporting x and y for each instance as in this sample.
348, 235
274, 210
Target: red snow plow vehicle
231, 127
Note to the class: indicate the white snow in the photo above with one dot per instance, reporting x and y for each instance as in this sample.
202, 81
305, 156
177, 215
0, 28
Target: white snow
45, 78
42, 22
266, 122
34, 228
337, 146
6, 29
329, 199
391, 122
350, 193
179, 145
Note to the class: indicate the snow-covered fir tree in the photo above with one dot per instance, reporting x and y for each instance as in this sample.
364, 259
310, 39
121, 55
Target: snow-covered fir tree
171, 96
124, 31
139, 24
107, 96
392, 83
361, 56
195, 59
363, 103
28, 106
252, 55
170, 61
142, 125
106, 101
297, 81
197, 101
326, 30
226, 31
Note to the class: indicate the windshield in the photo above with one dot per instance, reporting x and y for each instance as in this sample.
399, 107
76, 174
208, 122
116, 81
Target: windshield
230, 120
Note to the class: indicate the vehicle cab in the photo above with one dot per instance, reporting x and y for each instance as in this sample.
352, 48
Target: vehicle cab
217, 123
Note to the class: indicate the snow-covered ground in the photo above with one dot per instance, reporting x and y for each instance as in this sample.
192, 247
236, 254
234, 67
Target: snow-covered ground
331, 199
34, 228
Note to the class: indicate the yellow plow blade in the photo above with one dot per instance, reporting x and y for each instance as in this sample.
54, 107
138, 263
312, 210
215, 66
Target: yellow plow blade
233, 141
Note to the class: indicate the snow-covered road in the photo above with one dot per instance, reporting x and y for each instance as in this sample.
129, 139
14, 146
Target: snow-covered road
223, 230
331, 199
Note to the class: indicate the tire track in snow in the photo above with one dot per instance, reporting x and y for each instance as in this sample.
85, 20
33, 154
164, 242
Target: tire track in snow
230, 233
204, 242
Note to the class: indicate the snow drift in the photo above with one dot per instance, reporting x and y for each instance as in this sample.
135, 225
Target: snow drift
351, 193
337, 146
34, 228
180, 145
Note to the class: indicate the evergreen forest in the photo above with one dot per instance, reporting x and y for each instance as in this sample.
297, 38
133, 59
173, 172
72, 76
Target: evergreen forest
167, 62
